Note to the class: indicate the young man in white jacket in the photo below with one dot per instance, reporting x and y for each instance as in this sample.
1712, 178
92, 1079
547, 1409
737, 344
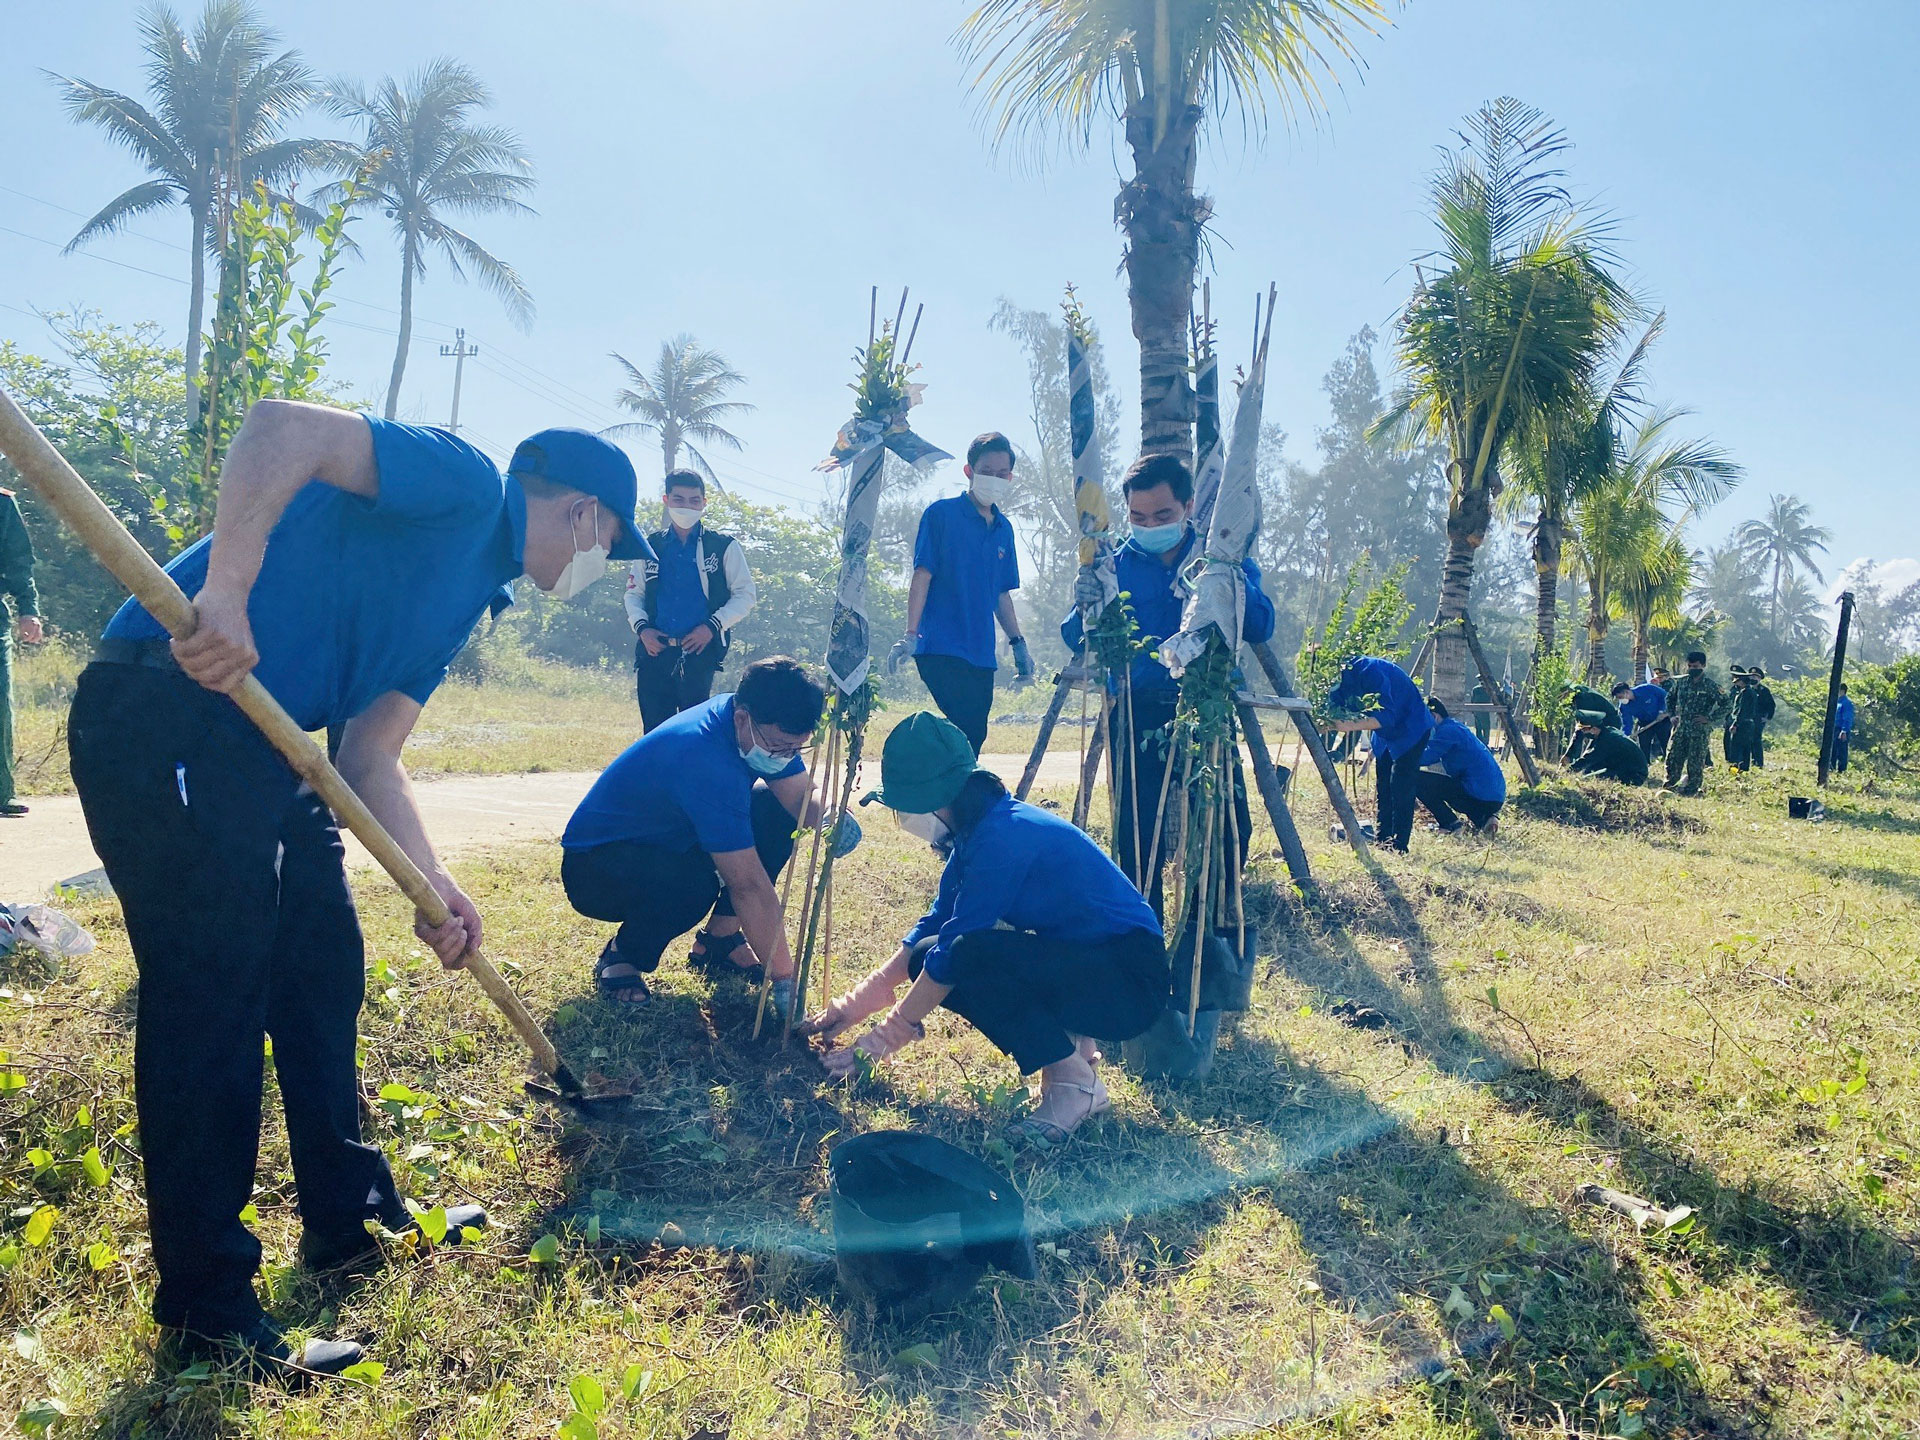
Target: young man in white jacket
684, 604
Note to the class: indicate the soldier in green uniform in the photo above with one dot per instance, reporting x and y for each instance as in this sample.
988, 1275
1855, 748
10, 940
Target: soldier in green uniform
16, 581
1695, 702
1763, 714
1742, 736
1586, 698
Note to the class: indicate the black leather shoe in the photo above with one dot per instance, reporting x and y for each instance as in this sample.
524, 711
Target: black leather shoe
266, 1357
347, 1251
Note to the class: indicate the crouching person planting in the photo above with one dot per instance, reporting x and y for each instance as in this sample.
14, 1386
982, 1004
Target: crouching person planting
1035, 937
692, 822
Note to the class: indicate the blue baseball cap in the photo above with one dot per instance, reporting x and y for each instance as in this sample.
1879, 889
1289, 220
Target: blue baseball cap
581, 460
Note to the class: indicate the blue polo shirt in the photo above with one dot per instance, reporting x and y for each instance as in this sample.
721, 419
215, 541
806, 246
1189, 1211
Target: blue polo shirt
1159, 604
682, 786
1038, 873
1381, 690
1843, 716
973, 565
358, 597
1646, 705
682, 597
1458, 751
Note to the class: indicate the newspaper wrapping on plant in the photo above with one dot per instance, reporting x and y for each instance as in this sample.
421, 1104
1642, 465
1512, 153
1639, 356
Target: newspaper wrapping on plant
1089, 481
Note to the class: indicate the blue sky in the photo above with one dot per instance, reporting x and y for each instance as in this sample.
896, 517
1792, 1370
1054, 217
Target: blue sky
745, 169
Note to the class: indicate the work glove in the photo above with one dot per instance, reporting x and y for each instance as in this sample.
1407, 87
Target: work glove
1022, 664
780, 996
846, 836
1088, 592
902, 650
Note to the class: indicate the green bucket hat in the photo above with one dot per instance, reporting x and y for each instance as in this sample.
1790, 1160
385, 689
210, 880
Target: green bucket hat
923, 765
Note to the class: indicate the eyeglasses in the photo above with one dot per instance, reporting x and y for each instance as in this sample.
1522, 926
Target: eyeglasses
779, 752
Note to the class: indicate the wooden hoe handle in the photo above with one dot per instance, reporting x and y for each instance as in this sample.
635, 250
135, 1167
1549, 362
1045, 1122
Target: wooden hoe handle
70, 497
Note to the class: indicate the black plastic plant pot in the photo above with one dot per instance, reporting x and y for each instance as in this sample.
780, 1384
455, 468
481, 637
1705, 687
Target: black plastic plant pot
916, 1222
1226, 970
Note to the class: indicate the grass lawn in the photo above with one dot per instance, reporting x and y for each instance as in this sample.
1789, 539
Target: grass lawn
1347, 1231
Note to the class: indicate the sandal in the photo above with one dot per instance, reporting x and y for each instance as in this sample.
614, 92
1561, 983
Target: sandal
716, 958
626, 990
1044, 1135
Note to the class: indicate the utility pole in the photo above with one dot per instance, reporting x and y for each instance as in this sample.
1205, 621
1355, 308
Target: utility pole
459, 350
1833, 685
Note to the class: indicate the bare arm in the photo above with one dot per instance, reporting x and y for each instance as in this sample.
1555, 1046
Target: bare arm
917, 599
758, 908
370, 763
1009, 621
281, 446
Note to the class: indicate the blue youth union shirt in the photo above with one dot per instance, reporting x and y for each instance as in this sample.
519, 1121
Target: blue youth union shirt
683, 786
1038, 873
1648, 704
1402, 713
973, 565
358, 597
682, 596
1159, 604
1458, 751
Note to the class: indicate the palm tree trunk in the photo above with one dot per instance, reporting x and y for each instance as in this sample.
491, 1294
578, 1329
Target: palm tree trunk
1642, 646
1549, 538
196, 302
1468, 517
1596, 635
407, 260
1161, 219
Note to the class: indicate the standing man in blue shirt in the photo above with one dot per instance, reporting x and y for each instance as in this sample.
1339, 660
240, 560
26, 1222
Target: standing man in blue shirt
1469, 787
684, 604
1159, 492
1842, 731
964, 575
1651, 725
1378, 695
349, 560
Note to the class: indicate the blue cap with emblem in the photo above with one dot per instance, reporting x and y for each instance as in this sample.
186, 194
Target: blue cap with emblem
581, 460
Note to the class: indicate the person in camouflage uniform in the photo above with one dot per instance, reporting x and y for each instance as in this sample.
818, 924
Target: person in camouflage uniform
1696, 703
1742, 731
16, 580
1763, 713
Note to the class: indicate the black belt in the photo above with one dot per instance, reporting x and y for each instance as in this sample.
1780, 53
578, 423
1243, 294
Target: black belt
154, 654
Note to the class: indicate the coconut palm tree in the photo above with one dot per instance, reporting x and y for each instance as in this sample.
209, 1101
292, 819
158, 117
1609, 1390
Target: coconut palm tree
427, 161
681, 401
1783, 539
217, 101
1161, 68
1651, 594
1512, 327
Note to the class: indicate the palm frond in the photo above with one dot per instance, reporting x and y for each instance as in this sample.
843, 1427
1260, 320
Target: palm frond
148, 195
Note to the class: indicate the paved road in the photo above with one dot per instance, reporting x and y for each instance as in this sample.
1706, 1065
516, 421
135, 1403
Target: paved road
50, 846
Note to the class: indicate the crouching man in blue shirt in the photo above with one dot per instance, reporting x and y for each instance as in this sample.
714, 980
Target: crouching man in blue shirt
1378, 695
1159, 491
1035, 936
694, 821
349, 561
1469, 782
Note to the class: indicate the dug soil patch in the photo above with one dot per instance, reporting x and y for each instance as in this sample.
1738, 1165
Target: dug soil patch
1604, 805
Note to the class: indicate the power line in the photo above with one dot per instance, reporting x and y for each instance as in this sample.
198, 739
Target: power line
89, 255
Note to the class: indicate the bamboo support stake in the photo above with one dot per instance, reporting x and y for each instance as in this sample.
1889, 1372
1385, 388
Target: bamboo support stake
806, 894
1202, 911
1133, 766
1160, 814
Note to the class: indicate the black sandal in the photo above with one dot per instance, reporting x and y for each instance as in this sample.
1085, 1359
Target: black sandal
716, 959
628, 991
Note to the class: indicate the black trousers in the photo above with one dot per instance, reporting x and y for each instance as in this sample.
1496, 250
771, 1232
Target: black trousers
1396, 789
672, 681
1447, 800
1141, 772
655, 894
1739, 742
963, 692
1031, 996
231, 880
1653, 739
1840, 747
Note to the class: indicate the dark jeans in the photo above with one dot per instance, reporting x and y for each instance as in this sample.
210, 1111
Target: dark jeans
1653, 739
672, 681
1031, 996
963, 692
655, 894
1141, 771
1447, 800
1840, 746
230, 877
1396, 788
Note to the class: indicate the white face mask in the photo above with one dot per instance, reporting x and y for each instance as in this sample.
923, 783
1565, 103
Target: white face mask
681, 516
761, 760
991, 489
583, 569
929, 827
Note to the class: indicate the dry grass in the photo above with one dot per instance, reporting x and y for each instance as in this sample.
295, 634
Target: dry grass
1332, 1237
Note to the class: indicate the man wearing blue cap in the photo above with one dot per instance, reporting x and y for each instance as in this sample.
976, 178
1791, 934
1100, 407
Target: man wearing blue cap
349, 561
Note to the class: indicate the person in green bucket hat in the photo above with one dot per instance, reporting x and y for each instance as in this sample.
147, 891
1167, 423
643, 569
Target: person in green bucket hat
1035, 937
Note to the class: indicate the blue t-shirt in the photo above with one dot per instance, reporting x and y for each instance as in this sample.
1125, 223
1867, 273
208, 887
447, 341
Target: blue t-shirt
682, 595
1646, 705
1458, 751
358, 597
1396, 702
1843, 716
1159, 603
682, 786
1038, 873
973, 565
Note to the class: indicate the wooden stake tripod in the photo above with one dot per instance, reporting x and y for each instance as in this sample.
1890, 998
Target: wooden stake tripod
1496, 697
